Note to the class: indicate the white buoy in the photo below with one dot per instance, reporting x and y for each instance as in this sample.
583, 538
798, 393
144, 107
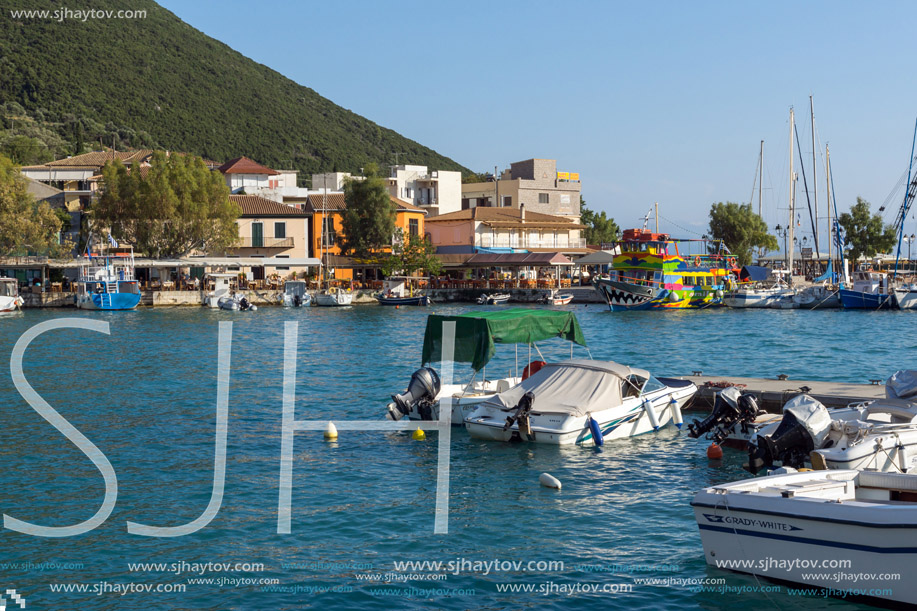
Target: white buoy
676, 413
651, 413
549, 481
331, 432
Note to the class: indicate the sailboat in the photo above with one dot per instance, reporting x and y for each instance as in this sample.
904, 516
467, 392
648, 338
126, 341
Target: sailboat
906, 295
329, 296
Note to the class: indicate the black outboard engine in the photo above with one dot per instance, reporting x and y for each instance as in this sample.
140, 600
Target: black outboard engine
730, 408
420, 395
244, 304
804, 427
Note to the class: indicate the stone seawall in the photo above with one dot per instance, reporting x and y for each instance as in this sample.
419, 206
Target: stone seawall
265, 298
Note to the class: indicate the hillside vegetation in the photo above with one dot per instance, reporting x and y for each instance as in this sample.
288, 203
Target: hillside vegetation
158, 82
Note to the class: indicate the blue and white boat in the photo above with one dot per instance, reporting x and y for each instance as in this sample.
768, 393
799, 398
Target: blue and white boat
107, 283
870, 291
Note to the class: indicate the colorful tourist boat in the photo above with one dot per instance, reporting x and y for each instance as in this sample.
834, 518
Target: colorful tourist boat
107, 283
656, 272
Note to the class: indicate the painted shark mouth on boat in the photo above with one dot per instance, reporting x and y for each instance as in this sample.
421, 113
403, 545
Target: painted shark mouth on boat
624, 298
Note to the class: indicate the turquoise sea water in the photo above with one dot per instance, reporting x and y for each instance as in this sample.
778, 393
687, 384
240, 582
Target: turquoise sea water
145, 395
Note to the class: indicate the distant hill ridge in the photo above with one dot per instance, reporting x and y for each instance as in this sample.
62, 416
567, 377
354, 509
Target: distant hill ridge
158, 82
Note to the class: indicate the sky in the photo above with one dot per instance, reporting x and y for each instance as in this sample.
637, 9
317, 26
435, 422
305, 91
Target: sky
649, 101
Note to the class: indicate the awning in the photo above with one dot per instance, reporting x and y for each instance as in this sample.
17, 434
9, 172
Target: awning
229, 261
530, 259
599, 257
476, 333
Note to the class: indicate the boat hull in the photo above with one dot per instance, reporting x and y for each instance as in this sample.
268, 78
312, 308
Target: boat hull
906, 299
626, 420
838, 546
625, 296
108, 301
334, 300
753, 298
421, 300
10, 304
858, 300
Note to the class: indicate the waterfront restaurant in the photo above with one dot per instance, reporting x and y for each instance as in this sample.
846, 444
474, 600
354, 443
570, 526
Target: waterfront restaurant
534, 270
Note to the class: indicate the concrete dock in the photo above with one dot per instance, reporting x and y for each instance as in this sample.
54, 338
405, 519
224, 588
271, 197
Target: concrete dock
772, 393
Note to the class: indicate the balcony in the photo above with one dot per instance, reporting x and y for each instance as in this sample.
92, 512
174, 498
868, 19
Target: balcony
266, 243
487, 241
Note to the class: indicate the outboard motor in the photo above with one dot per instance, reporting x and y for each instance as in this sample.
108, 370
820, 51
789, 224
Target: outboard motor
731, 407
420, 395
244, 304
805, 426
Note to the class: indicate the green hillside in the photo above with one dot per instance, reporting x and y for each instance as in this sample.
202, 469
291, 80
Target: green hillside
158, 82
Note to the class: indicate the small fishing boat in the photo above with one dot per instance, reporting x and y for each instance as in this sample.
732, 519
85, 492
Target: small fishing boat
493, 299
581, 402
557, 298
107, 283
222, 287
397, 292
476, 335
9, 295
906, 296
295, 294
654, 272
863, 520
334, 297
870, 291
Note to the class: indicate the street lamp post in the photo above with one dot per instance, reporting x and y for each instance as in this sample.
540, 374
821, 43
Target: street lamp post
782, 231
909, 239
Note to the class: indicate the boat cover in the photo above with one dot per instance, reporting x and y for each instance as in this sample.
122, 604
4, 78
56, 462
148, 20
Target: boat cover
811, 414
477, 332
294, 287
575, 387
902, 385
754, 273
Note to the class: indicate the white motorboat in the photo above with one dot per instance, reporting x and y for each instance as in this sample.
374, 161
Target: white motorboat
557, 298
759, 287
793, 526
236, 303
9, 295
295, 294
817, 297
581, 402
493, 299
880, 434
906, 296
334, 297
222, 287
475, 337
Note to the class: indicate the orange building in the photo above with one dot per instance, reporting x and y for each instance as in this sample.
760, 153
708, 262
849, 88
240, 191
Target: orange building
408, 217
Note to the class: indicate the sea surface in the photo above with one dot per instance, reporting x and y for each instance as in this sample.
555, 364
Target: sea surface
146, 394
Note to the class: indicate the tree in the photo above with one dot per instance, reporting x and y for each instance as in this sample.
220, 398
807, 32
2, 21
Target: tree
865, 234
25, 226
177, 206
599, 228
368, 223
472, 177
417, 253
24, 150
740, 229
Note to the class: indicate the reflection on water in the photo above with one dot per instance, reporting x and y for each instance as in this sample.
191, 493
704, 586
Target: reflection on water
145, 395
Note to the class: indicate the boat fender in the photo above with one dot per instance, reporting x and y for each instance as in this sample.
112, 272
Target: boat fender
651, 414
253, 308
532, 368
676, 412
719, 293
597, 436
674, 297
549, 481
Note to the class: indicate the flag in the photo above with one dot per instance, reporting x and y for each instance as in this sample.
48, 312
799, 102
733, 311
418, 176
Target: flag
111, 241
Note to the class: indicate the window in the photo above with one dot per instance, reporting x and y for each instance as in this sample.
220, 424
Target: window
413, 227
632, 386
280, 230
507, 201
544, 198
282, 257
652, 385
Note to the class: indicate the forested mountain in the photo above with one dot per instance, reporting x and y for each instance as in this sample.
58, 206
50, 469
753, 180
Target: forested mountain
158, 82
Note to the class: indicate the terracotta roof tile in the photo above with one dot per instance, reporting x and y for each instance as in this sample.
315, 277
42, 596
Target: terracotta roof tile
244, 165
96, 159
504, 216
255, 205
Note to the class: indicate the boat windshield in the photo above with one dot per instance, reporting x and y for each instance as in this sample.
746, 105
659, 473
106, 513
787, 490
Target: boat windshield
632, 386
652, 385
7, 289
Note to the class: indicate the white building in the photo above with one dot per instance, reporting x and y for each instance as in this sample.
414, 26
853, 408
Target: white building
437, 192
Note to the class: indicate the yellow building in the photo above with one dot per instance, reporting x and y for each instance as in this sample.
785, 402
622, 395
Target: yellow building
270, 229
408, 218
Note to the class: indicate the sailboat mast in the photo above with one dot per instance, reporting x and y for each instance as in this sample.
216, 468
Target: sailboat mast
814, 174
760, 179
828, 196
792, 234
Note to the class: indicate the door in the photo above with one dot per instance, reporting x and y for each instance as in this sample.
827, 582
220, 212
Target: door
257, 235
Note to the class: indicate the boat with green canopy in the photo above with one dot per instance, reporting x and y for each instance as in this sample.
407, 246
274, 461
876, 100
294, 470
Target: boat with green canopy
476, 336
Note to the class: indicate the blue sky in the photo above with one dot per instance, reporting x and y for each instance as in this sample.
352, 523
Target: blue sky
648, 101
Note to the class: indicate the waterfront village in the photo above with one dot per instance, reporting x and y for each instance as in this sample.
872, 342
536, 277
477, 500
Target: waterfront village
518, 230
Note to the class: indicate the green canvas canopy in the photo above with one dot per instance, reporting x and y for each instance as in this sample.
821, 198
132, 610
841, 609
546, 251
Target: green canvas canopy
476, 333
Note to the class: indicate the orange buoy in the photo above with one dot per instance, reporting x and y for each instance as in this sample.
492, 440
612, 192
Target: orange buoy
397, 306
714, 452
